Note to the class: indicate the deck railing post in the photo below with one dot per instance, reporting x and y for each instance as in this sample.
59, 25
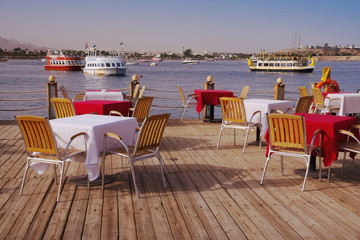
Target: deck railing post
51, 92
133, 84
209, 109
279, 93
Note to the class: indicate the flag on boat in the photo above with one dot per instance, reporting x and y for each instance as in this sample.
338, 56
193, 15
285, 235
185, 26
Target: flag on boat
94, 46
326, 74
86, 45
121, 43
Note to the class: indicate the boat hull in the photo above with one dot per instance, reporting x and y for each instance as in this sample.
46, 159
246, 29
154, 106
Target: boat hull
105, 71
63, 68
302, 70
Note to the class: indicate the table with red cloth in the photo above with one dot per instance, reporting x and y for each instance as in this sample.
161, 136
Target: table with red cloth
329, 124
102, 107
210, 97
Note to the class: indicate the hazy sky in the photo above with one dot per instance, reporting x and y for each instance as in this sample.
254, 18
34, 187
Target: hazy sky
168, 25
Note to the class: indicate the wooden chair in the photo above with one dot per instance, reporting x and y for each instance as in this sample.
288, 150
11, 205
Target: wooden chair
244, 92
142, 108
303, 105
187, 101
233, 112
320, 103
303, 91
287, 137
41, 146
77, 97
147, 145
352, 143
63, 107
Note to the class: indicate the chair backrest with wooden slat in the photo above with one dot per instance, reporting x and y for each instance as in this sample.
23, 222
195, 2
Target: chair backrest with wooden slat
303, 91
287, 131
64, 92
142, 108
134, 94
318, 97
79, 97
233, 109
37, 134
244, 92
182, 94
63, 107
303, 104
142, 90
151, 132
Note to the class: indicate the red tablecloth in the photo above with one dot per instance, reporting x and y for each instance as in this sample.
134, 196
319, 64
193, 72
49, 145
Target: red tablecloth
329, 124
101, 107
210, 97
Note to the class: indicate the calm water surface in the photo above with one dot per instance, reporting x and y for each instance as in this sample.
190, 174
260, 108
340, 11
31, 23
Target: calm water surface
27, 75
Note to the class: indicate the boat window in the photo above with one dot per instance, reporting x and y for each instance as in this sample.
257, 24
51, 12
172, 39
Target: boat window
113, 64
103, 64
107, 64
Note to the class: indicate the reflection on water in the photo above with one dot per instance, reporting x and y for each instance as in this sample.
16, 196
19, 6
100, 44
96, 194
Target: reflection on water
27, 75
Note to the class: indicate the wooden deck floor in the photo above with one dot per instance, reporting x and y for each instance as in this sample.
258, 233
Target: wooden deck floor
210, 194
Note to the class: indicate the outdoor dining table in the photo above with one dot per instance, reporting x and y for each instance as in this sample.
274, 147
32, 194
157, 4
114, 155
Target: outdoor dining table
265, 106
112, 95
349, 102
329, 124
102, 107
94, 126
210, 97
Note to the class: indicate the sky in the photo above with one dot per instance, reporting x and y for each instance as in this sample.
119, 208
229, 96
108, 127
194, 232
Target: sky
171, 25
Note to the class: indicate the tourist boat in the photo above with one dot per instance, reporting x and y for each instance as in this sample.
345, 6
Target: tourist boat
58, 60
157, 58
97, 64
131, 62
190, 61
281, 64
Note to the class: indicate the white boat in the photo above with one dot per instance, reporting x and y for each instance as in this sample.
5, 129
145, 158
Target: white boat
280, 64
157, 58
131, 62
190, 61
97, 64
153, 64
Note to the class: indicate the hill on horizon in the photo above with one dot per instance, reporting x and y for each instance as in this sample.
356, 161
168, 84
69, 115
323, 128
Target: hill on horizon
10, 44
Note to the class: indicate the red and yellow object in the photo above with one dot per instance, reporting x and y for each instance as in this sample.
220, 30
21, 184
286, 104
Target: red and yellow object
329, 84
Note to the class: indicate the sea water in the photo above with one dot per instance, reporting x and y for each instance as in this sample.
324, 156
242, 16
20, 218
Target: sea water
29, 75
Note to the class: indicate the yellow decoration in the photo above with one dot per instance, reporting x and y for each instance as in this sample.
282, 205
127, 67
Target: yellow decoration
326, 74
209, 78
135, 78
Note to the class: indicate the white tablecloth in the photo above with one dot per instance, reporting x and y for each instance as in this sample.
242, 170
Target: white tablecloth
106, 95
94, 126
265, 105
349, 103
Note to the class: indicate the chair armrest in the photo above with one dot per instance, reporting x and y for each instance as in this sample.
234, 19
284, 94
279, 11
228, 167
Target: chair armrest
316, 133
289, 109
114, 112
72, 139
190, 97
251, 122
349, 134
333, 99
354, 126
276, 111
118, 138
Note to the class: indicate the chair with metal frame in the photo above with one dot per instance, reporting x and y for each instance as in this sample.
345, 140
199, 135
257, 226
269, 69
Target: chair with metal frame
142, 108
303, 91
186, 103
287, 137
147, 145
77, 97
63, 107
352, 143
320, 103
41, 146
233, 111
244, 92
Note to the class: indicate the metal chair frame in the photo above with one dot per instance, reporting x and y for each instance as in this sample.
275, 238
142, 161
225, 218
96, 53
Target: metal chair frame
41, 146
147, 145
287, 136
186, 102
320, 104
234, 116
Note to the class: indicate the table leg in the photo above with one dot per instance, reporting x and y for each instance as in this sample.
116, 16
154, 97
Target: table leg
209, 114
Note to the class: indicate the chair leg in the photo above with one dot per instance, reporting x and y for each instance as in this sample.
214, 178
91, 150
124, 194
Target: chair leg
282, 165
306, 173
162, 168
103, 170
133, 176
23, 181
219, 138
61, 179
184, 113
246, 138
55, 175
234, 137
264, 172
342, 171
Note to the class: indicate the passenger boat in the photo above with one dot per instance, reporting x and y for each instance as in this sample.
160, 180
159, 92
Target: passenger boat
97, 64
58, 60
157, 58
190, 61
281, 64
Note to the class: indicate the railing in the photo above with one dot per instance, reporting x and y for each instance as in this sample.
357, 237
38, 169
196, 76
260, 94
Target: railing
163, 99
